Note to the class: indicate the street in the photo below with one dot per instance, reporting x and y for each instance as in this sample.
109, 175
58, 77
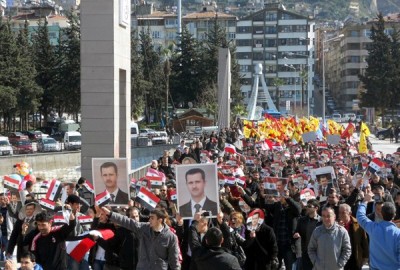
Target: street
383, 145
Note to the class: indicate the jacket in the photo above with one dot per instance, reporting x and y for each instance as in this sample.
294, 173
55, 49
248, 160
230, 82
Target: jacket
305, 228
329, 249
359, 245
155, 252
210, 258
384, 241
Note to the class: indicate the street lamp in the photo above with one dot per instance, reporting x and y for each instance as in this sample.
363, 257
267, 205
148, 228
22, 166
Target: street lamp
295, 92
323, 71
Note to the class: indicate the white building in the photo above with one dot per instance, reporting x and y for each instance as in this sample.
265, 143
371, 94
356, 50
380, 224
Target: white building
283, 42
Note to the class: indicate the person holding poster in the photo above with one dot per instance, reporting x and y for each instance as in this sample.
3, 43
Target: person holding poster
195, 179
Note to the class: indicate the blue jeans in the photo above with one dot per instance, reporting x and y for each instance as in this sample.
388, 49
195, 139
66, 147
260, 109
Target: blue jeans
74, 265
98, 265
4, 244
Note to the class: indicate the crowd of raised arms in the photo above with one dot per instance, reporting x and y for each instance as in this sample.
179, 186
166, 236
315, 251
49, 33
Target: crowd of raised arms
281, 206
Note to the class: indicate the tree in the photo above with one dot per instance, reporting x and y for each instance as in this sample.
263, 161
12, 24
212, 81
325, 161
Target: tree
45, 64
29, 92
68, 90
153, 74
8, 74
277, 82
379, 74
185, 80
139, 86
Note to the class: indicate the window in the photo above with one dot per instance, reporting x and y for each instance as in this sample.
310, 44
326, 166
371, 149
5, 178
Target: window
243, 55
231, 23
244, 29
270, 56
271, 16
270, 42
258, 17
258, 56
258, 30
244, 42
231, 35
353, 46
354, 33
286, 16
270, 69
258, 43
155, 34
244, 68
270, 29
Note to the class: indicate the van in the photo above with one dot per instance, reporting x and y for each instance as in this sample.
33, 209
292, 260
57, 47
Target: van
134, 130
5, 147
208, 130
349, 116
337, 117
72, 140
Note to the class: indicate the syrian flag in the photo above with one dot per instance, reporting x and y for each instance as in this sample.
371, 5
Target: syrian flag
154, 172
344, 170
11, 183
241, 181
230, 148
78, 248
47, 204
230, 181
103, 198
173, 196
270, 185
84, 220
376, 165
45, 184
88, 186
321, 145
226, 169
250, 161
133, 183
54, 191
221, 179
59, 218
147, 199
277, 146
155, 181
269, 143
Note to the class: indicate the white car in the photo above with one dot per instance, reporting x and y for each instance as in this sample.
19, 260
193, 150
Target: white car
48, 145
349, 116
337, 117
5, 147
161, 139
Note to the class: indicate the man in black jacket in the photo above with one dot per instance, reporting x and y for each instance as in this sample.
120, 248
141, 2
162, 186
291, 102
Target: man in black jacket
213, 256
48, 242
305, 228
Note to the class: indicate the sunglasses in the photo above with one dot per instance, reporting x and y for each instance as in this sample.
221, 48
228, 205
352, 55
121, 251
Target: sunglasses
309, 206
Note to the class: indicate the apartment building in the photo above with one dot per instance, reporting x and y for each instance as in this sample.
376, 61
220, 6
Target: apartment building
163, 24
283, 42
346, 58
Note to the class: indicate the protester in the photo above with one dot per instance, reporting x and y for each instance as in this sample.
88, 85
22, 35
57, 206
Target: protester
329, 246
384, 245
28, 262
152, 254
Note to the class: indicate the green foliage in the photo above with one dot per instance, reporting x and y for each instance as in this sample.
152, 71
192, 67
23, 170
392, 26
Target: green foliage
381, 75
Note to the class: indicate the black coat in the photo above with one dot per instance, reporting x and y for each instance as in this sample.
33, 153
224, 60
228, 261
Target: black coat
256, 257
210, 258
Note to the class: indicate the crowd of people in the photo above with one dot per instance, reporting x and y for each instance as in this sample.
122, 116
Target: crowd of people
343, 220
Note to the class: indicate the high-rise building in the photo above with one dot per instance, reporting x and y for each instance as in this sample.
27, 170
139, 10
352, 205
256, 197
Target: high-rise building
283, 42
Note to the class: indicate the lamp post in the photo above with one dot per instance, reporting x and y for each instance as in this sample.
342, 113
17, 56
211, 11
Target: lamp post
323, 71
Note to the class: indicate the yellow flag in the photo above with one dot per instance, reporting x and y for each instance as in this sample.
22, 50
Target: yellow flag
362, 147
365, 129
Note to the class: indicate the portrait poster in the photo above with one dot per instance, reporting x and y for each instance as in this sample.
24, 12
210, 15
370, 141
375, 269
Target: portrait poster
197, 189
111, 174
255, 219
309, 136
327, 170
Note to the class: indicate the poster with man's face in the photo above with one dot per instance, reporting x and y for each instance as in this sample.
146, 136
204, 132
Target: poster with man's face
197, 189
111, 174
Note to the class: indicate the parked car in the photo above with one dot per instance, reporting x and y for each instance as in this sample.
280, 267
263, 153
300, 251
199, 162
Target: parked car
383, 134
161, 139
22, 146
337, 117
14, 137
5, 146
148, 132
349, 116
48, 145
35, 135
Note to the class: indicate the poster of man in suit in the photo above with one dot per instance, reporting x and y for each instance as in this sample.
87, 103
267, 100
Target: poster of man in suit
197, 189
111, 174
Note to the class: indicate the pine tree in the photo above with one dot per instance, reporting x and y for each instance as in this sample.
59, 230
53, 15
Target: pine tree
378, 74
45, 64
29, 92
68, 94
8, 74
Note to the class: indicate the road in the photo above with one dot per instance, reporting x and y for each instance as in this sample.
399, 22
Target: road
383, 145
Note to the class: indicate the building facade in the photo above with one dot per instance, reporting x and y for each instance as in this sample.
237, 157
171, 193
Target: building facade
283, 42
346, 59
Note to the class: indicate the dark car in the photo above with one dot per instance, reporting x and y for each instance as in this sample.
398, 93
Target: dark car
22, 146
383, 134
16, 136
34, 135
